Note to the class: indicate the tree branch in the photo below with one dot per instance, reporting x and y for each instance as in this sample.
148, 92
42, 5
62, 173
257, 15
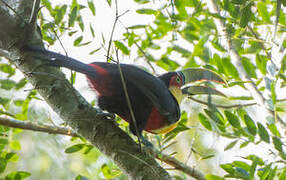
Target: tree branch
28, 125
180, 166
226, 42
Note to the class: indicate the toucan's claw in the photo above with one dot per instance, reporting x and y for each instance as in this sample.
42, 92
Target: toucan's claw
105, 115
146, 143
199, 74
194, 90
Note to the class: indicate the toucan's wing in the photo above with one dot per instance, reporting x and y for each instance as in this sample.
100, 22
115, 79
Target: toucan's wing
152, 87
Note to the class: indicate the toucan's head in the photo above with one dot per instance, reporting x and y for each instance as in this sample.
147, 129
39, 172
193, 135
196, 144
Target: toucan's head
176, 80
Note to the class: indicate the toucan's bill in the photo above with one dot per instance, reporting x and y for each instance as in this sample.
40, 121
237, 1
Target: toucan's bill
199, 74
194, 90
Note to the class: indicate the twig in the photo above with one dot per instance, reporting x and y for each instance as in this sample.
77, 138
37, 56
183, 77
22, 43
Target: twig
141, 50
226, 42
13, 10
193, 172
278, 7
112, 31
27, 125
222, 106
34, 14
128, 101
4, 53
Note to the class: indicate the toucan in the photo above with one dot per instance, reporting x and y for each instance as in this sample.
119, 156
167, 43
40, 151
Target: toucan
154, 100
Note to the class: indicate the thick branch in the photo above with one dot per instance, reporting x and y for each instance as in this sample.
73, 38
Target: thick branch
226, 42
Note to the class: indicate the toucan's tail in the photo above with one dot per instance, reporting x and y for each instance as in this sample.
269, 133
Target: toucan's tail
58, 60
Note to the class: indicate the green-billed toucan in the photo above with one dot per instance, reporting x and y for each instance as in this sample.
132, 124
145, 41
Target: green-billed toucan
154, 100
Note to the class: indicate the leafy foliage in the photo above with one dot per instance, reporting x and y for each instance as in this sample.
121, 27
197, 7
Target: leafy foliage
180, 34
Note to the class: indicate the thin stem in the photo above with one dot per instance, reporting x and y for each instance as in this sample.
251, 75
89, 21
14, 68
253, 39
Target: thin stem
128, 101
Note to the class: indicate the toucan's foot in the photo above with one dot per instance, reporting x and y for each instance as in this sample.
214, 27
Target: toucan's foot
105, 115
146, 143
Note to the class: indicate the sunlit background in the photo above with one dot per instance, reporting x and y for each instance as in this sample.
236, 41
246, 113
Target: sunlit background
44, 154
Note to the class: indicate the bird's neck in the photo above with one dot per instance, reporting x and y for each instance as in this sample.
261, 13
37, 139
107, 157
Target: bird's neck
177, 93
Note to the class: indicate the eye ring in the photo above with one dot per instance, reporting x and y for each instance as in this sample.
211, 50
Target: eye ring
178, 79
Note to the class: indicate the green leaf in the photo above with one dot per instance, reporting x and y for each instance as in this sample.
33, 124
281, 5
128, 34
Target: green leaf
208, 156
21, 84
91, 6
244, 144
250, 125
10, 155
7, 69
245, 14
261, 62
262, 11
74, 148
263, 133
228, 168
60, 14
94, 51
122, 47
4, 101
80, 23
213, 177
15, 145
77, 41
181, 7
282, 176
91, 30
249, 67
181, 50
4, 141
242, 165
146, 11
72, 16
131, 38
205, 122
80, 177
216, 119
232, 119
230, 145
142, 1
217, 46
139, 26
7, 84
273, 129
167, 64
3, 164
19, 175
277, 143
109, 173
109, 2
252, 169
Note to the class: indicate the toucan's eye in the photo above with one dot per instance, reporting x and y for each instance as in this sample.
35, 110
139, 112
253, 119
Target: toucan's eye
178, 79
